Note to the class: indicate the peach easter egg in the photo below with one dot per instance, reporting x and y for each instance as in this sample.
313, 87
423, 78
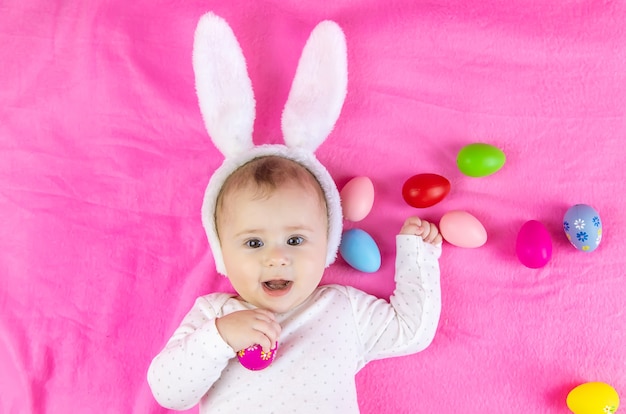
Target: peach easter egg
462, 229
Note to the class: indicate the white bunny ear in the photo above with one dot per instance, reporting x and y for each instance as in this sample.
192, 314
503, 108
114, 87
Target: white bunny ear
223, 86
318, 90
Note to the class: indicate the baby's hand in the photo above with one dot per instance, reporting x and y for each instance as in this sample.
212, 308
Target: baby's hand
422, 228
243, 329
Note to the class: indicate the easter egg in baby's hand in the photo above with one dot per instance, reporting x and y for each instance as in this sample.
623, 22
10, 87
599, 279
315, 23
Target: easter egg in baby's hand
480, 159
357, 198
360, 250
425, 190
583, 227
533, 245
255, 359
593, 398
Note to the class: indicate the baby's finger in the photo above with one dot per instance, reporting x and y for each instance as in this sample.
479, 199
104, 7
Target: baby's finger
269, 341
414, 220
262, 339
412, 226
425, 230
434, 236
410, 229
264, 314
270, 328
431, 234
271, 331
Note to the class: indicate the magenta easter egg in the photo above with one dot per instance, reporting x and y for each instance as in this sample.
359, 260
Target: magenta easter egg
425, 190
462, 229
357, 198
533, 245
255, 359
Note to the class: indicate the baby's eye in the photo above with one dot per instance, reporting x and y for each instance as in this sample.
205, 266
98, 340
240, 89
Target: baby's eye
295, 241
254, 243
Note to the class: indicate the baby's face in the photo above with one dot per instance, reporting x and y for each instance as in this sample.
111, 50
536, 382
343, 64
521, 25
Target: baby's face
274, 247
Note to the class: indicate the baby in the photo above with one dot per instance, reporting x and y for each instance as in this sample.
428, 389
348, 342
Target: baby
271, 217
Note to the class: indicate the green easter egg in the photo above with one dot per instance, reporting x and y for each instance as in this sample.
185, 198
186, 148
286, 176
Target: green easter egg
480, 160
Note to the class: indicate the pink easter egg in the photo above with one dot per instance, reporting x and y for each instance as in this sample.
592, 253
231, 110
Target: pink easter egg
533, 245
357, 198
255, 359
462, 229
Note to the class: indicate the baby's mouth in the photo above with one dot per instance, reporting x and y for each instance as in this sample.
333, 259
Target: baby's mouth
277, 284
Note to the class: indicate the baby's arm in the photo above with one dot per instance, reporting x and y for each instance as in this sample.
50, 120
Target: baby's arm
201, 347
192, 360
407, 323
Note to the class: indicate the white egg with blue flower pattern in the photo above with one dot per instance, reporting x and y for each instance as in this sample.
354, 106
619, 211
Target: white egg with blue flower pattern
583, 227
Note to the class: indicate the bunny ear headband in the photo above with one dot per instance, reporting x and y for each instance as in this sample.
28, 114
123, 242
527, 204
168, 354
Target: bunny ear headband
227, 105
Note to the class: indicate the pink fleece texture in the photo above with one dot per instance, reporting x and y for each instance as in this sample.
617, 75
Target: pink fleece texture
104, 160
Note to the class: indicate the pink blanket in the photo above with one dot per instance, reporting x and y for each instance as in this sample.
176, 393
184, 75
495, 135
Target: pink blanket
104, 160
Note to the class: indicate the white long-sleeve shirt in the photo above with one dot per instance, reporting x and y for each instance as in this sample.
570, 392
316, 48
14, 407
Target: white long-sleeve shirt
324, 342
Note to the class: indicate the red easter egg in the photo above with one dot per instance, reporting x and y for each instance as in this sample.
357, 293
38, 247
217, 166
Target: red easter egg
425, 190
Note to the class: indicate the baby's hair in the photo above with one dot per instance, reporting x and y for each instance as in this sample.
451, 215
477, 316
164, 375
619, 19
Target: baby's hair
267, 174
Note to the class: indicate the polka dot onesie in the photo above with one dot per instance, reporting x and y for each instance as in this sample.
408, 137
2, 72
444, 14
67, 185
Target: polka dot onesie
324, 342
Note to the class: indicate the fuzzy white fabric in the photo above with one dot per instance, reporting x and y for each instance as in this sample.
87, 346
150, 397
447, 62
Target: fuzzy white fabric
224, 89
321, 76
228, 108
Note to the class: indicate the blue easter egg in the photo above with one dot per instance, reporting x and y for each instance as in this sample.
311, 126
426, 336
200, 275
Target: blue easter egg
583, 227
360, 251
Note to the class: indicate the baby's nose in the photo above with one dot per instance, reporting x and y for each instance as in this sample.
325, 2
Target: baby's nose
277, 256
